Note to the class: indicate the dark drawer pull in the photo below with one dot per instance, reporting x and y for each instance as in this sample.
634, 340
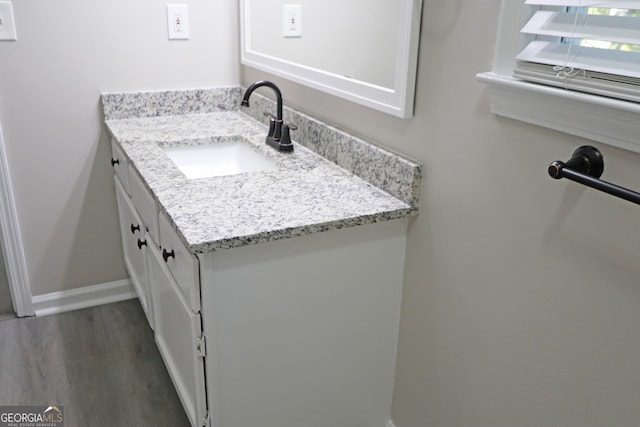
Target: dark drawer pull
166, 255
135, 228
141, 244
115, 162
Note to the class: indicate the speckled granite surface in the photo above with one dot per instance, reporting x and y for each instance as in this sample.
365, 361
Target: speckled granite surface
127, 105
306, 194
397, 175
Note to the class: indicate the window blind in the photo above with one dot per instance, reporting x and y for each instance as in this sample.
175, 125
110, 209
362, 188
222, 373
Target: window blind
584, 45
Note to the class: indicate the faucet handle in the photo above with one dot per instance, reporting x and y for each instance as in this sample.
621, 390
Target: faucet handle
272, 124
285, 141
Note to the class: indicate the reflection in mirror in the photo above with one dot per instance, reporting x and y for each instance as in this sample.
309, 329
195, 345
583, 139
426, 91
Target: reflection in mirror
361, 50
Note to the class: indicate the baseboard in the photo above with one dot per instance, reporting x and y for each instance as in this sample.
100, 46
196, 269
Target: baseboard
15, 261
88, 296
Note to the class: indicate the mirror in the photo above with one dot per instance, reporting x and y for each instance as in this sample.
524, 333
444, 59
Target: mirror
361, 50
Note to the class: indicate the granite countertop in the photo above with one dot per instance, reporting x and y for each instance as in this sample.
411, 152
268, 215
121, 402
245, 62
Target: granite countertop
305, 194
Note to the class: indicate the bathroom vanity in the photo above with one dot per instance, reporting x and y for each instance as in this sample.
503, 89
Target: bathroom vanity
274, 291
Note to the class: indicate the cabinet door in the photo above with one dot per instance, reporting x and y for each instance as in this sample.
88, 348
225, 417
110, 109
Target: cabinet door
178, 331
134, 246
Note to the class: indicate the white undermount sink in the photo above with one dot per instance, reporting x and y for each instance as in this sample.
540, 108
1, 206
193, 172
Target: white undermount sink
227, 156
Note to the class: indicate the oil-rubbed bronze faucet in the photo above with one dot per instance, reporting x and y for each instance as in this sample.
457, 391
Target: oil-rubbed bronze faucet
278, 136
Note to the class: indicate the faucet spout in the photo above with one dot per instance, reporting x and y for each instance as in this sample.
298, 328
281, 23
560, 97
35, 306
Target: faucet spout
276, 89
274, 138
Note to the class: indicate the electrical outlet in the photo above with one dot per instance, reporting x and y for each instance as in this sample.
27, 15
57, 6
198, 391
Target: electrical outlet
292, 20
178, 21
7, 23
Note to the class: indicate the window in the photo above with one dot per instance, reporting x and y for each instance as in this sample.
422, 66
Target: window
570, 65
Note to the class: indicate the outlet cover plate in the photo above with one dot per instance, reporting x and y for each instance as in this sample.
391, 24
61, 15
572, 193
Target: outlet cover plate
178, 21
292, 20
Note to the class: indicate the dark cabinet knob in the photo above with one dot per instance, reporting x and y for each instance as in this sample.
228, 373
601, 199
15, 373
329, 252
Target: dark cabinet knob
135, 228
166, 255
141, 244
115, 162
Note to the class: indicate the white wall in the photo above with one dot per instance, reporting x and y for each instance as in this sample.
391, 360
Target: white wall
522, 294
50, 80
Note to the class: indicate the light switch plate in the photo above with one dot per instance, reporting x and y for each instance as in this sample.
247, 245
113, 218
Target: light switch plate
7, 23
292, 20
178, 21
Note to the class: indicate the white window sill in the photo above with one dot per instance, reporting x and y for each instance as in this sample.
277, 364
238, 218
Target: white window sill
598, 118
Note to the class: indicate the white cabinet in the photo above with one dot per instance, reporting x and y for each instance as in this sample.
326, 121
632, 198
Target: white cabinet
181, 263
145, 204
178, 334
166, 279
120, 165
303, 331
299, 332
135, 243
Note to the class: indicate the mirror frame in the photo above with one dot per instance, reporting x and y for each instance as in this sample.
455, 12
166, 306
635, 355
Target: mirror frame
397, 100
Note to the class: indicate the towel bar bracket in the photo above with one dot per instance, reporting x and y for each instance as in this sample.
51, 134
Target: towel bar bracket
585, 167
586, 160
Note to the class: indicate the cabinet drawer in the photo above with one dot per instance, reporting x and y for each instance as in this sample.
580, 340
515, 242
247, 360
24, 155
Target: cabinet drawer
144, 204
120, 165
183, 265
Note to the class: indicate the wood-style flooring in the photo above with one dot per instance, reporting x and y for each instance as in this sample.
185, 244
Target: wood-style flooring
101, 363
